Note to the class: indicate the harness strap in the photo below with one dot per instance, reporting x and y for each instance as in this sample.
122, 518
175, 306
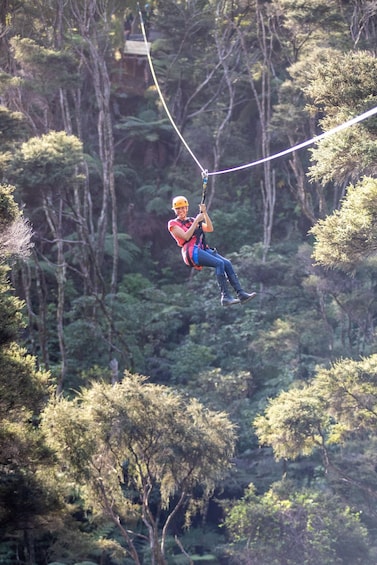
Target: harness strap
198, 233
200, 239
189, 260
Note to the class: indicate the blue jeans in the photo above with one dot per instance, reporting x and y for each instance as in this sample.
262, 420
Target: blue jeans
210, 258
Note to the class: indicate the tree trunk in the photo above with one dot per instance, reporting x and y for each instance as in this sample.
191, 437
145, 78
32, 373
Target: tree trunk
157, 553
55, 223
263, 101
86, 17
224, 50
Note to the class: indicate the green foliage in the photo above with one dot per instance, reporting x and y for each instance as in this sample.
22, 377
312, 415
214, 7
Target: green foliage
348, 155
296, 528
294, 423
343, 85
169, 418
10, 306
349, 389
334, 416
48, 161
301, 26
19, 374
338, 403
147, 323
9, 210
144, 127
344, 80
201, 539
229, 238
137, 444
128, 250
25, 499
347, 237
80, 537
10, 314
12, 127
165, 321
58, 68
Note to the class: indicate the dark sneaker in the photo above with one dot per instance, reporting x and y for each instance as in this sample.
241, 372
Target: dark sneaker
245, 296
227, 300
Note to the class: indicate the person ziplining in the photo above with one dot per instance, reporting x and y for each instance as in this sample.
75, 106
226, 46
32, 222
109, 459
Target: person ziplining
189, 233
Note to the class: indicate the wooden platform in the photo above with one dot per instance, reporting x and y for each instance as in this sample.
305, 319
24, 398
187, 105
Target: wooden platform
137, 48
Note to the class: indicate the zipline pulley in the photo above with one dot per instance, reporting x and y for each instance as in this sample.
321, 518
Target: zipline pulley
205, 181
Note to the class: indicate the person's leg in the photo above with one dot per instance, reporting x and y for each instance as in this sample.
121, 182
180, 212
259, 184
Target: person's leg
208, 258
235, 283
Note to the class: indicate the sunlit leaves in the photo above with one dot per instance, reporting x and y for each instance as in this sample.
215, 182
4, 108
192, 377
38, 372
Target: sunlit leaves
58, 68
295, 527
350, 391
344, 80
339, 404
169, 443
344, 156
343, 86
23, 391
349, 235
49, 160
9, 210
294, 423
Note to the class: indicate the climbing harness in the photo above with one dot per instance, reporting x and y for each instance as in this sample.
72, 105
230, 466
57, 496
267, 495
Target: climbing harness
189, 249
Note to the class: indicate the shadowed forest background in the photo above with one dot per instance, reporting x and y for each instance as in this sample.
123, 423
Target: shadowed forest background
141, 422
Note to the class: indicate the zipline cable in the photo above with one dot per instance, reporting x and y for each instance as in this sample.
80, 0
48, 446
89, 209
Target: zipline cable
205, 173
160, 93
345, 125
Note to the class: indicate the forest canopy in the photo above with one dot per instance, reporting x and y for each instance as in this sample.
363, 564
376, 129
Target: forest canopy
141, 421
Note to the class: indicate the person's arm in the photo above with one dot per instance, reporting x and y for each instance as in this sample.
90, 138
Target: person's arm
207, 225
186, 235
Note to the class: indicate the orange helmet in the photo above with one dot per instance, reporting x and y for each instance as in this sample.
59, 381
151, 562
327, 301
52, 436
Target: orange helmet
179, 202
